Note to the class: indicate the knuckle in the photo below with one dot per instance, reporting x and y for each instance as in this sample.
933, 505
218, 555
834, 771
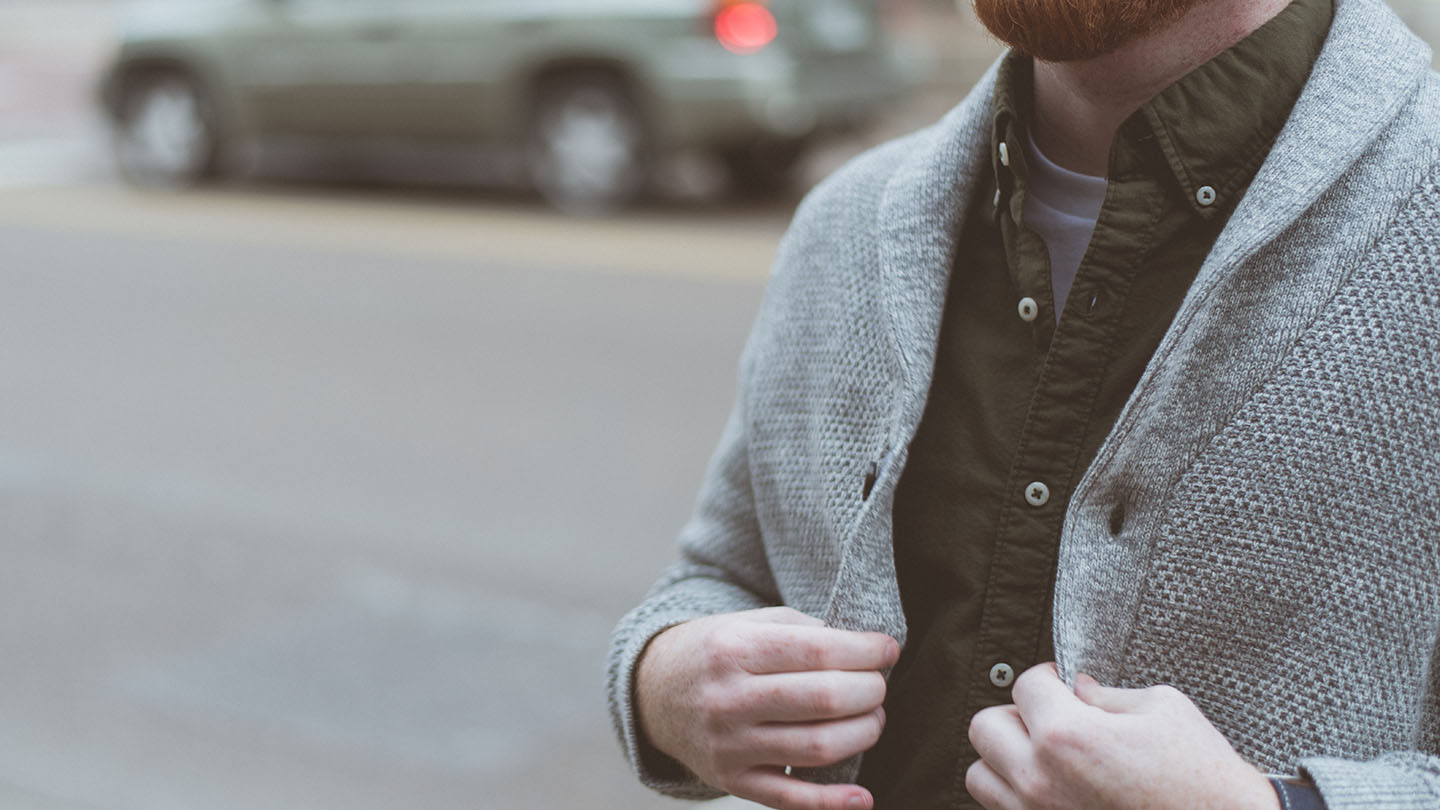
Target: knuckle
718, 712
741, 694
877, 728
820, 749
1055, 742
1025, 682
789, 614
790, 798
1165, 693
972, 778
872, 688
722, 713
765, 644
1033, 788
823, 698
982, 725
775, 698
724, 646
886, 648
712, 699
975, 782
810, 654
731, 754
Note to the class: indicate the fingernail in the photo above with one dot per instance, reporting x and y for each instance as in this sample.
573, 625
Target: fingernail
855, 803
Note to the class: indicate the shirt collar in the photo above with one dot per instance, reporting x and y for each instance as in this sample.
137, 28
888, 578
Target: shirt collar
1214, 127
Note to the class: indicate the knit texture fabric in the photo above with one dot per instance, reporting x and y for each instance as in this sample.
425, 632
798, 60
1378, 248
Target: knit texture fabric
1278, 463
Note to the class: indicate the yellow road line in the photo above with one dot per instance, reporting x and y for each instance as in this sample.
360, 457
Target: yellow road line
721, 247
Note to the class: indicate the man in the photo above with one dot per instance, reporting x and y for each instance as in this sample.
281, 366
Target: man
1132, 362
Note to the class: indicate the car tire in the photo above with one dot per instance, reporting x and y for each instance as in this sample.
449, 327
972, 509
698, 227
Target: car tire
166, 132
587, 148
762, 168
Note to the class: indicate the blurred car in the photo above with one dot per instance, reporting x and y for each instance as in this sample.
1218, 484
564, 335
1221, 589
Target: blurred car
586, 95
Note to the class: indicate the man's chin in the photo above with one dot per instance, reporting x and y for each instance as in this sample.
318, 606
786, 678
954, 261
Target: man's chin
1061, 52
1075, 30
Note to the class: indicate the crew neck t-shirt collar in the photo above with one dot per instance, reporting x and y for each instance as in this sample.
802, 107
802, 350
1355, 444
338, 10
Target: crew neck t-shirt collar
1062, 206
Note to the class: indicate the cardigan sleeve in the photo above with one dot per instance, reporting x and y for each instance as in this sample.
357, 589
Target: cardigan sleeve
723, 565
1398, 781
1405, 779
722, 568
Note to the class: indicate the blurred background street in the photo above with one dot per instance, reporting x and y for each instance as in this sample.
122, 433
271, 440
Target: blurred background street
324, 488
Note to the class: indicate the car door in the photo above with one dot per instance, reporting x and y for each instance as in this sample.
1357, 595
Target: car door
450, 62
321, 67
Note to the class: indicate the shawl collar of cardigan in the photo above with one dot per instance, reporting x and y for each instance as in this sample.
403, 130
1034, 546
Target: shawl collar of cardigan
1370, 66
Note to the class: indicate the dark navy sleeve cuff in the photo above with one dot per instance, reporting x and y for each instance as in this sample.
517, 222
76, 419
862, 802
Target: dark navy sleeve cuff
1297, 794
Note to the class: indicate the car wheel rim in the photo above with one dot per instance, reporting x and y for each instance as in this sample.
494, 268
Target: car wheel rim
165, 136
591, 148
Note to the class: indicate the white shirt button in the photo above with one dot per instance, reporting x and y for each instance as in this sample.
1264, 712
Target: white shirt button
1002, 675
1004, 154
997, 198
1205, 195
1037, 494
1029, 310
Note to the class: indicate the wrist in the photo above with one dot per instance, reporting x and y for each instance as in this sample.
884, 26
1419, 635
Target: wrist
647, 697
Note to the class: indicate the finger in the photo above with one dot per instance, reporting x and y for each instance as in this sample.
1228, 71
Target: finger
1108, 698
1042, 697
797, 648
798, 697
815, 745
990, 789
784, 615
1000, 738
772, 788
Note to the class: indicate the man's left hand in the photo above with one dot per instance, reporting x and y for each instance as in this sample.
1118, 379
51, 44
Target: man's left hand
1099, 748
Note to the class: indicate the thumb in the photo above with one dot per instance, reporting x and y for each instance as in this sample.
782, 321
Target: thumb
1108, 698
783, 615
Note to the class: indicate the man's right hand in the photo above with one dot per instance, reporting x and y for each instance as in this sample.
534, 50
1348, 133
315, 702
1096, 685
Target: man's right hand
738, 697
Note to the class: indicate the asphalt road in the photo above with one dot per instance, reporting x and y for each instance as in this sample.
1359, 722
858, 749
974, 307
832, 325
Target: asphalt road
329, 499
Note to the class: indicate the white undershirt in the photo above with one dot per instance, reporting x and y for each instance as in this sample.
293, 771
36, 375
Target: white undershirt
1062, 206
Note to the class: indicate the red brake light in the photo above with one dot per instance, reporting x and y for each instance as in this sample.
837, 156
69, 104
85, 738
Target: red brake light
745, 27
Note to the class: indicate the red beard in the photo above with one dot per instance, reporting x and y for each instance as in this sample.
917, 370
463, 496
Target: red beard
1071, 30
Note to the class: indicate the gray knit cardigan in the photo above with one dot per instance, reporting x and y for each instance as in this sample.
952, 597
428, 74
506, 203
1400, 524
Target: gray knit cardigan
1279, 461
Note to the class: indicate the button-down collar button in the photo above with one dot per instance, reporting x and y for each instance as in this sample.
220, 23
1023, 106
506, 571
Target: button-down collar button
1037, 494
1205, 195
1002, 675
1029, 310
1004, 154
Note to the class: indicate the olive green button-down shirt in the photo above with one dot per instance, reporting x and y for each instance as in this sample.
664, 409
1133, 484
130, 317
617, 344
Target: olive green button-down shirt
1019, 404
